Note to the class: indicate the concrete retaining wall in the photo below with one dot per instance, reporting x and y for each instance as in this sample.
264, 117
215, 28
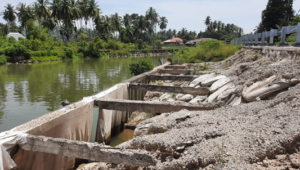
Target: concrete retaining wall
74, 122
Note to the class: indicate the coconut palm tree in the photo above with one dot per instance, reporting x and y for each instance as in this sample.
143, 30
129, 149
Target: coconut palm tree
153, 17
116, 22
126, 20
92, 10
219, 25
105, 27
9, 15
207, 21
163, 23
41, 9
24, 14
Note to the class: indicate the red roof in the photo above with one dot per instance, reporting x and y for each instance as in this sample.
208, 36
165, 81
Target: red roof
175, 39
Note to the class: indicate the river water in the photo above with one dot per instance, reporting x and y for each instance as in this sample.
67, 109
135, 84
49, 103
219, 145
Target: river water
30, 91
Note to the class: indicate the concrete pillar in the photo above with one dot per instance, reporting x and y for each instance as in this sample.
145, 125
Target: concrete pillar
273, 33
263, 38
283, 35
246, 40
298, 34
256, 39
259, 37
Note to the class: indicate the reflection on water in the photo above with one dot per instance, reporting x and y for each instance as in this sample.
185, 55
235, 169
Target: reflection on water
30, 91
124, 136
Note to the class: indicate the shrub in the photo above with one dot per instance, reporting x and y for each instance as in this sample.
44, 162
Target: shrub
145, 64
69, 52
3, 59
292, 38
212, 50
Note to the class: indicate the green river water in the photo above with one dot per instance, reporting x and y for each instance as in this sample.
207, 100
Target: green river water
30, 91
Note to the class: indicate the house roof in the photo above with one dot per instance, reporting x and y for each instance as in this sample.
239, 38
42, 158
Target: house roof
16, 35
198, 40
175, 39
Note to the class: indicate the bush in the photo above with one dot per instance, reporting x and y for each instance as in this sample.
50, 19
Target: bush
69, 52
145, 64
212, 50
292, 38
3, 59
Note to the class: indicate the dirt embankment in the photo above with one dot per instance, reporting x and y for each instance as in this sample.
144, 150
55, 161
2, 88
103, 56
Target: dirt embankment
258, 131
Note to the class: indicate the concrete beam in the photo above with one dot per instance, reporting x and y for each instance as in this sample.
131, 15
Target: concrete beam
170, 71
89, 151
176, 67
170, 89
149, 106
170, 77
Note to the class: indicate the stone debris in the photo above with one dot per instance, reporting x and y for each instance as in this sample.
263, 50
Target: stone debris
200, 79
218, 84
198, 99
258, 124
209, 82
185, 98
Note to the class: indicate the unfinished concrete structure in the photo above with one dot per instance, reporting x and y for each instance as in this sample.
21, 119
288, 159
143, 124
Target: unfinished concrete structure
260, 38
60, 140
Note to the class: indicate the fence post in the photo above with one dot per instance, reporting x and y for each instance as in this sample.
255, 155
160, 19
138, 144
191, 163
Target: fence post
263, 38
283, 35
273, 33
258, 37
298, 34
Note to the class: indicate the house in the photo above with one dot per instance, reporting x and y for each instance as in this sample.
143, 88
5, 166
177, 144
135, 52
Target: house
16, 35
174, 41
193, 42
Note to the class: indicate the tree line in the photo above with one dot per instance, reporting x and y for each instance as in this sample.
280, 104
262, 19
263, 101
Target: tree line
69, 18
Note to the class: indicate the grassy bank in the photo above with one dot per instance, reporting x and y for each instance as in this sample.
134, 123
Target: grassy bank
212, 50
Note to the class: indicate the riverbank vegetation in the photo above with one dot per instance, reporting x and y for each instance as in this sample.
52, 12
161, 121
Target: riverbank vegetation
141, 66
68, 29
212, 50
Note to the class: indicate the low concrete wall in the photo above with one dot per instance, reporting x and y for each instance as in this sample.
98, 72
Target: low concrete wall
73, 122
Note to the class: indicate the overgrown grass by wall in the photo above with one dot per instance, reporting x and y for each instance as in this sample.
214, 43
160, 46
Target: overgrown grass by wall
212, 50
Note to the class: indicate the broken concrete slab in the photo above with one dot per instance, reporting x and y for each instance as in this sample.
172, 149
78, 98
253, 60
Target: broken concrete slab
171, 77
170, 89
149, 106
86, 150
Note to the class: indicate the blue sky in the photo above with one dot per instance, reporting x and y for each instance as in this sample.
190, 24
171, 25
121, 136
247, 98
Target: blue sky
187, 13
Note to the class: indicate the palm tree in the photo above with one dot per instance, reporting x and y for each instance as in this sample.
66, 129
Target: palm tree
215, 25
41, 9
24, 14
126, 20
104, 27
219, 25
9, 15
93, 10
55, 9
82, 4
163, 23
174, 32
207, 20
153, 17
116, 21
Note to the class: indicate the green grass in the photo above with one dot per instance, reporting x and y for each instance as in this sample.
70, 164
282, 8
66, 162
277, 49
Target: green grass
221, 155
45, 58
212, 50
160, 83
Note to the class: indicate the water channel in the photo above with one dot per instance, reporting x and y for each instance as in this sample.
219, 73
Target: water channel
29, 91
